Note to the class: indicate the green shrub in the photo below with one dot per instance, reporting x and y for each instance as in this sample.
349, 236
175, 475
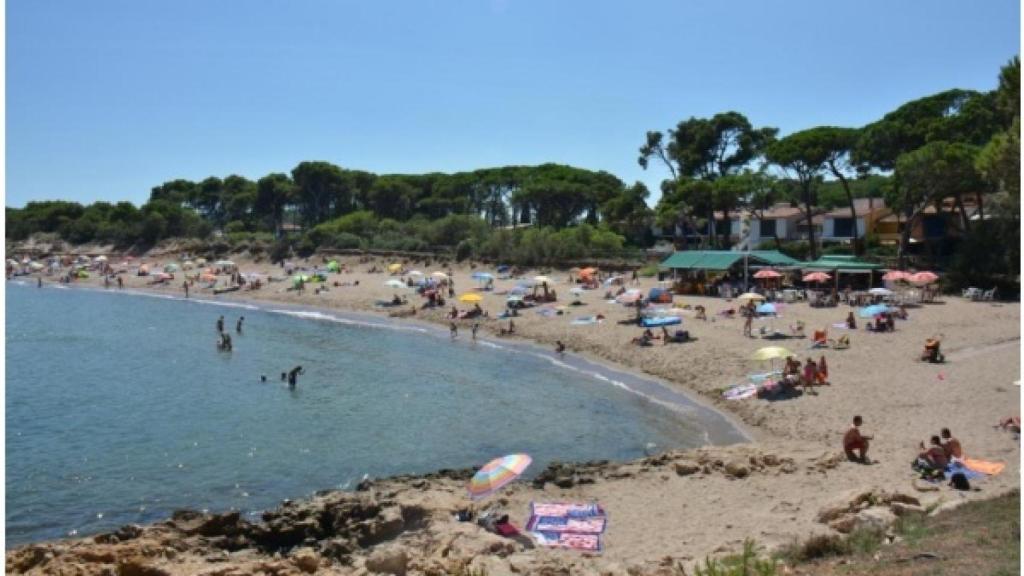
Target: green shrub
234, 227
745, 564
648, 271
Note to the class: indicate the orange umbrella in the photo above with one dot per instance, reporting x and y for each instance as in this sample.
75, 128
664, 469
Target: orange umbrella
767, 274
817, 277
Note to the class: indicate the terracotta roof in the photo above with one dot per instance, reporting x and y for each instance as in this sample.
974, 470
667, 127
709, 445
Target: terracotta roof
861, 206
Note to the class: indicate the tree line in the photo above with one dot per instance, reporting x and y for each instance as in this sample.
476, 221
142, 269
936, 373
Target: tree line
937, 149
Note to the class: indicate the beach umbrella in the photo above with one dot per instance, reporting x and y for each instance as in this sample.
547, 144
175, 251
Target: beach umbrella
496, 474
439, 275
82, 274
100, 258
199, 261
750, 296
471, 297
896, 275
172, 267
395, 284
415, 273
766, 308
333, 266
204, 277
395, 267
767, 274
542, 280
872, 311
771, 353
880, 292
817, 277
576, 290
188, 265
514, 298
483, 276
299, 278
629, 297
519, 290
923, 278
612, 280
36, 266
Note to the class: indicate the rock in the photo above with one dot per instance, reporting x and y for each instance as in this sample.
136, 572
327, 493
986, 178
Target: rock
138, 567
897, 497
770, 460
875, 517
389, 560
686, 468
788, 467
26, 559
564, 482
306, 559
737, 469
900, 509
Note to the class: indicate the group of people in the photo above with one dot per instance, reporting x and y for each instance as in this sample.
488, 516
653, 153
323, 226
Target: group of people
224, 344
940, 452
810, 374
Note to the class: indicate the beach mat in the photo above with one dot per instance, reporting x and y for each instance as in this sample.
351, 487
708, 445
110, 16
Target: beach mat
970, 474
740, 392
984, 466
574, 526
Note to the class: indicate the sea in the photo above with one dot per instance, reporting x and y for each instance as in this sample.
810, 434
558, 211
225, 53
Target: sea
120, 409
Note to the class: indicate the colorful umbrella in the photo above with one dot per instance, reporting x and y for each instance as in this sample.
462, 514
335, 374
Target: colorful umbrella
771, 353
872, 311
750, 296
471, 297
924, 278
395, 267
333, 266
496, 474
767, 274
817, 277
896, 275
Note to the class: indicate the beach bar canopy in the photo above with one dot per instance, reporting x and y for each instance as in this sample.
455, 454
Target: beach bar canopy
721, 260
842, 264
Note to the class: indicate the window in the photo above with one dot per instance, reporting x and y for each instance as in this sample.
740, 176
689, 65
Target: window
768, 228
843, 227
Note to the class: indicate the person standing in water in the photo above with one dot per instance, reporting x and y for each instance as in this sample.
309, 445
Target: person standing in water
453, 329
39, 282
185, 286
220, 324
120, 282
476, 326
293, 376
238, 326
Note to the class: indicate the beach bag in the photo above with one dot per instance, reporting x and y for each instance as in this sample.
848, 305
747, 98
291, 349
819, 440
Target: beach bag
959, 481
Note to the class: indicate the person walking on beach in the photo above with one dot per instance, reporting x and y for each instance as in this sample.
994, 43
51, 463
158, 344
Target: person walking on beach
748, 324
476, 326
120, 283
185, 286
453, 330
293, 376
238, 325
220, 324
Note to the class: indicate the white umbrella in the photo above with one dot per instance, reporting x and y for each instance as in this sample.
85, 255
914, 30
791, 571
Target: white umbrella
542, 280
100, 258
440, 275
415, 273
394, 283
224, 264
576, 290
880, 292
36, 266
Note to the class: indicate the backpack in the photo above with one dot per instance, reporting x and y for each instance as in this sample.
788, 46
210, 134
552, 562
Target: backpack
959, 481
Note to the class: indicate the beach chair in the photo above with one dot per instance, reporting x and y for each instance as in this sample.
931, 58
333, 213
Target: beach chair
820, 339
988, 295
842, 343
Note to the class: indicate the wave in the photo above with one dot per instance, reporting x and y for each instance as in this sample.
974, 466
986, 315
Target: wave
314, 315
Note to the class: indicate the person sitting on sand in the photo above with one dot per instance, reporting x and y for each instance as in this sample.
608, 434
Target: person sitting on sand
1011, 423
702, 313
901, 312
931, 351
951, 445
851, 322
855, 444
395, 300
934, 456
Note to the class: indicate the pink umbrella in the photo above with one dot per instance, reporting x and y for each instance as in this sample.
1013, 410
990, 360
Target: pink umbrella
767, 274
924, 278
896, 275
817, 277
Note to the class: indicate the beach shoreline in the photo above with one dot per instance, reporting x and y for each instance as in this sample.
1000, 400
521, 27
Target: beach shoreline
798, 439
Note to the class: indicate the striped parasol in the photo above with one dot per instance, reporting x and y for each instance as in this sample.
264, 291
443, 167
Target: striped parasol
496, 474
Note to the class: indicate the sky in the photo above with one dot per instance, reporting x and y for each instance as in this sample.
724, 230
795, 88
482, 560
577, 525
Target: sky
106, 99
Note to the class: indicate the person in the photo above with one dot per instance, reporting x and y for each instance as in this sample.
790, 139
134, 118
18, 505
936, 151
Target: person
106, 281
851, 322
185, 286
665, 337
559, 347
453, 330
120, 282
702, 313
39, 282
951, 445
810, 373
890, 321
901, 312
932, 351
476, 327
238, 325
395, 300
225, 342
934, 456
220, 324
822, 371
1011, 423
636, 278
284, 376
748, 323
293, 376
855, 444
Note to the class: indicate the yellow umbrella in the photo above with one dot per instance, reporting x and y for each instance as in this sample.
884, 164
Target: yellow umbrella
471, 297
750, 296
394, 267
771, 353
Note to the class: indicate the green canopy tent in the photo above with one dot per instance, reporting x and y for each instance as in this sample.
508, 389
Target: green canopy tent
841, 264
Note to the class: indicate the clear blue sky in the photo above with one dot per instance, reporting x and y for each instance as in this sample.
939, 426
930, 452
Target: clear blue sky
106, 99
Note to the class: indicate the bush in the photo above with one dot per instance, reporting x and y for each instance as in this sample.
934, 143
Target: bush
649, 271
280, 251
234, 227
306, 247
745, 564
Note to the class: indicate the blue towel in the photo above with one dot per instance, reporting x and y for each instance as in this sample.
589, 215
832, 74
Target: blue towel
953, 468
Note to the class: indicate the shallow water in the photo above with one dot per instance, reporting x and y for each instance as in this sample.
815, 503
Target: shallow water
120, 409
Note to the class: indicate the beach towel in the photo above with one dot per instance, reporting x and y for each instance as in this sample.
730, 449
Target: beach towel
663, 321
740, 392
586, 320
576, 526
984, 466
841, 326
954, 468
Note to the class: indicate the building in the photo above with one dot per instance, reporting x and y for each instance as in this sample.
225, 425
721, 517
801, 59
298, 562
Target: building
839, 226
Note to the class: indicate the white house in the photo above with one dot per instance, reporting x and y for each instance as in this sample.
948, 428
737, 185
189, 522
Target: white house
839, 226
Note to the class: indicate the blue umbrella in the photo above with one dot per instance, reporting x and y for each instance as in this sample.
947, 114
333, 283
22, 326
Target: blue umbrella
872, 311
519, 290
766, 308
483, 276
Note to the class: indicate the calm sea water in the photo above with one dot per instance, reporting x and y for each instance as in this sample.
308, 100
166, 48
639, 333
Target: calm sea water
120, 409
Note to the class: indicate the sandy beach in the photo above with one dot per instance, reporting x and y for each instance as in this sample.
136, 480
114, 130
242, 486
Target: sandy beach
681, 507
